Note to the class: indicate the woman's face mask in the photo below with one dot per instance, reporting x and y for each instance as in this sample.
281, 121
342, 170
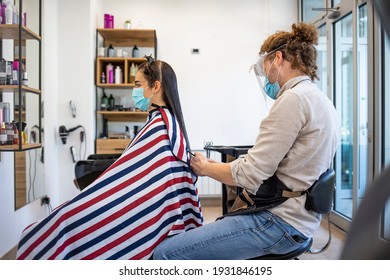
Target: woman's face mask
140, 101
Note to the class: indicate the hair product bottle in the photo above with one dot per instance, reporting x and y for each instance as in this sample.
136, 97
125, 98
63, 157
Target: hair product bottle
16, 133
9, 13
133, 72
3, 134
15, 72
109, 69
111, 51
111, 102
135, 52
104, 102
118, 74
25, 79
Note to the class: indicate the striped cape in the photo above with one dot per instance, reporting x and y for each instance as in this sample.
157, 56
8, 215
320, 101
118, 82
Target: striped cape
145, 196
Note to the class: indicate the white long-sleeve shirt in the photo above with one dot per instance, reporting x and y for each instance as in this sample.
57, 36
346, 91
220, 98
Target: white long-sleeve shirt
297, 140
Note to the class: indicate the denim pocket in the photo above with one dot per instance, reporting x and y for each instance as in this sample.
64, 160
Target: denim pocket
290, 239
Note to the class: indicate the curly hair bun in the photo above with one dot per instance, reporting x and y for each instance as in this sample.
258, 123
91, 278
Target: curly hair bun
304, 33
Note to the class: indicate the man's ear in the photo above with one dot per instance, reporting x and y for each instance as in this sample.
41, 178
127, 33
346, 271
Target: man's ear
279, 55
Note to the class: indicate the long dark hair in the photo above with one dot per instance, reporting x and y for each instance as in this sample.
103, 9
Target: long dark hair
158, 70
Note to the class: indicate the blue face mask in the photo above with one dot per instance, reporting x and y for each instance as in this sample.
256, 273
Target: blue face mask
271, 90
140, 101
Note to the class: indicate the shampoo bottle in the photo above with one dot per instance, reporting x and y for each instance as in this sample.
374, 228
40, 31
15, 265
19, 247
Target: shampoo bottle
133, 72
104, 102
110, 51
111, 103
15, 14
109, 69
3, 134
118, 74
9, 14
135, 51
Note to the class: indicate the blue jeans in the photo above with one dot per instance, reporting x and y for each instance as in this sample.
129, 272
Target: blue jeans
234, 237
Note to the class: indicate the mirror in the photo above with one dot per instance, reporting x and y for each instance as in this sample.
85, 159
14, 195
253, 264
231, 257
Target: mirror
29, 164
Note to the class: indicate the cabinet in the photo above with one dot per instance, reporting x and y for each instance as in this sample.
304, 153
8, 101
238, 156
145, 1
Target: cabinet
21, 46
110, 124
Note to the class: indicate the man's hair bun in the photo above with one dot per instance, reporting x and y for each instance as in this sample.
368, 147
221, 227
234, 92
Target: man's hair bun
304, 33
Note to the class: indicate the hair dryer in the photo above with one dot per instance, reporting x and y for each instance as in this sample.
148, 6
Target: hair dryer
64, 133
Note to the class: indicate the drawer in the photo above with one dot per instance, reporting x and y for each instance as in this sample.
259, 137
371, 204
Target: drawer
111, 146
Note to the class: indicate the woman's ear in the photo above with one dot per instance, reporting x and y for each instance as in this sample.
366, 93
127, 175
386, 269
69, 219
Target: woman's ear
157, 86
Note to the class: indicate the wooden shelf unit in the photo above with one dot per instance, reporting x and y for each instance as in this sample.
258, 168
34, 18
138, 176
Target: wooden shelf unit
20, 34
16, 147
123, 116
123, 63
129, 37
119, 38
15, 88
11, 31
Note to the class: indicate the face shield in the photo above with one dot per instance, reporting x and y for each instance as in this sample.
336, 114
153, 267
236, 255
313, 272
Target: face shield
258, 69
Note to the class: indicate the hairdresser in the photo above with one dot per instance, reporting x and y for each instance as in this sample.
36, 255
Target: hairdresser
296, 144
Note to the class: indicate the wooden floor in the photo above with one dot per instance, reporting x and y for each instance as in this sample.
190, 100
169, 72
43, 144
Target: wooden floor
212, 209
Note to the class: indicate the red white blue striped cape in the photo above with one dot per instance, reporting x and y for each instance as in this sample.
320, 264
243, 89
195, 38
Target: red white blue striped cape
145, 196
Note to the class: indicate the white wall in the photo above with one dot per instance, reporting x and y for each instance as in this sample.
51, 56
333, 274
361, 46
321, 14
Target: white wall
221, 100
76, 52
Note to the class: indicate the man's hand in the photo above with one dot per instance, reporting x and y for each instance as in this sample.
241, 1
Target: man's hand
199, 163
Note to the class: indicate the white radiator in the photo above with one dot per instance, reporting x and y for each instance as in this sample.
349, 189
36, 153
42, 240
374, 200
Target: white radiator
208, 187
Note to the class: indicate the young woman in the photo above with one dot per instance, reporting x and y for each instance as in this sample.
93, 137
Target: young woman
296, 143
147, 195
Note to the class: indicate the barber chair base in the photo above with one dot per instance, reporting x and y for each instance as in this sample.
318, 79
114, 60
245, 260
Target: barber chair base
288, 256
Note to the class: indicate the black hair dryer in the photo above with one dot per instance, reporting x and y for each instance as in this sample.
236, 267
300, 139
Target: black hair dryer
64, 133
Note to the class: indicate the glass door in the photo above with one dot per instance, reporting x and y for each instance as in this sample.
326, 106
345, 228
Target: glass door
350, 82
385, 232
322, 59
344, 101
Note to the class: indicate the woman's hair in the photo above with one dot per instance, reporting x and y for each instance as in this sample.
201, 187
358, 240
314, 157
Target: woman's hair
157, 70
297, 46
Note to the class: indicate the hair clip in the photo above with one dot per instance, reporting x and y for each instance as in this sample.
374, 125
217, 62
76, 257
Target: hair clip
149, 58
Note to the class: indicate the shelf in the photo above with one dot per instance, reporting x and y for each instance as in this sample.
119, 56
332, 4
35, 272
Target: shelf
128, 37
117, 86
121, 59
15, 88
11, 31
15, 148
124, 116
124, 63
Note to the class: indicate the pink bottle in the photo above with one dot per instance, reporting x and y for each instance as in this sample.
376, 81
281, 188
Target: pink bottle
111, 21
106, 21
109, 68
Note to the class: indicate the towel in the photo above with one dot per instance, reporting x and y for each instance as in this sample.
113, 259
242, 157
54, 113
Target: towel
145, 196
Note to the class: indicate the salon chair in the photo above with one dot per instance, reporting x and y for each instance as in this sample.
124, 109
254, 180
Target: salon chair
320, 201
87, 171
